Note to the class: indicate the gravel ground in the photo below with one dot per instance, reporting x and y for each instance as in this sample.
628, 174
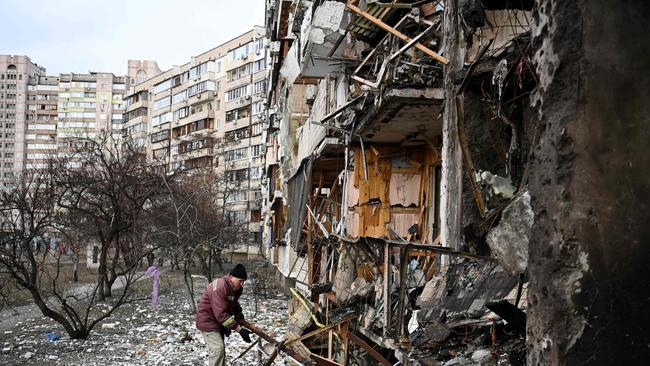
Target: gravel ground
140, 335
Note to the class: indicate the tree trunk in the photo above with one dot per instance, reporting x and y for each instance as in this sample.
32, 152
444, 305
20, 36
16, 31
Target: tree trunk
75, 266
189, 286
79, 332
112, 275
101, 276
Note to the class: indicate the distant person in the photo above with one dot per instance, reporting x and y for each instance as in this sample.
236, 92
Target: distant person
150, 258
219, 313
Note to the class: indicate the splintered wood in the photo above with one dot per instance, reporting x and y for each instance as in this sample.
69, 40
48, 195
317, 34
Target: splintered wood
397, 195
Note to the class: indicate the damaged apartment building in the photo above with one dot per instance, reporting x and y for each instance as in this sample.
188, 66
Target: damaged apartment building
400, 159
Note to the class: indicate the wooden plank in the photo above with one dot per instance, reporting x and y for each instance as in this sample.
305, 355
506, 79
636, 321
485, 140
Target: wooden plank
397, 33
270, 339
386, 287
403, 273
467, 157
323, 361
371, 351
318, 331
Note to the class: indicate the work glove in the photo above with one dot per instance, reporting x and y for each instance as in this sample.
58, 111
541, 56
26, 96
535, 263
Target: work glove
245, 335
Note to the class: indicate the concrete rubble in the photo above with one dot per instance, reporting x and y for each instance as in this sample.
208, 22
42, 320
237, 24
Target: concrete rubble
139, 335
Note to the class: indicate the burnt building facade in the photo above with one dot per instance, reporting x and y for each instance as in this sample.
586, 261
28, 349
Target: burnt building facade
405, 181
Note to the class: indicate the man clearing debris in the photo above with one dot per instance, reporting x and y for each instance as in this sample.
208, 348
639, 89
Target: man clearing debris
219, 313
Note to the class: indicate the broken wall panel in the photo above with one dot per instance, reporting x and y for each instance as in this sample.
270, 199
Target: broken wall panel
405, 189
502, 26
401, 220
397, 193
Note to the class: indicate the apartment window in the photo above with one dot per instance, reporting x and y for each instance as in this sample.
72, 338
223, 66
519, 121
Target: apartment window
236, 135
256, 172
259, 45
259, 87
177, 80
239, 72
182, 113
256, 129
160, 153
237, 216
237, 175
51, 127
163, 118
160, 136
258, 107
188, 146
238, 113
161, 87
236, 196
200, 87
192, 127
161, 103
256, 150
239, 92
41, 146
179, 97
259, 65
240, 52
236, 154
83, 84
136, 128
201, 69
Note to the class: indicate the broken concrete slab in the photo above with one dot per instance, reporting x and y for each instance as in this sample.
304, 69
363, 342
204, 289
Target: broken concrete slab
321, 29
436, 331
499, 186
509, 240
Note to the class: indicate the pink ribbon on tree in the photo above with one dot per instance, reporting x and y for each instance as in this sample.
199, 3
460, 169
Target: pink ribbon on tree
153, 271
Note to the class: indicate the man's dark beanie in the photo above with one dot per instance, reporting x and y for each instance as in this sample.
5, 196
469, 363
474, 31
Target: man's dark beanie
239, 271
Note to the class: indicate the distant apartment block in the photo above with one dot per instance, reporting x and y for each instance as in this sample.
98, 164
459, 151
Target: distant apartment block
16, 72
207, 114
89, 105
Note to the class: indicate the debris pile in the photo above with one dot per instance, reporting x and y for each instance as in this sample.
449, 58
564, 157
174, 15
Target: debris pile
140, 335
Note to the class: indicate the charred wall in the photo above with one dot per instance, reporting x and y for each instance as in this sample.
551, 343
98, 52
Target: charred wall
588, 292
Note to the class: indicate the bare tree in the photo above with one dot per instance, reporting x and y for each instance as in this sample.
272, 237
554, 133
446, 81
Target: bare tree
107, 189
29, 216
192, 224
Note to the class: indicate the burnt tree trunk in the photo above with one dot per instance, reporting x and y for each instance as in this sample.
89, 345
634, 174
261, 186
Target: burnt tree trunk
590, 183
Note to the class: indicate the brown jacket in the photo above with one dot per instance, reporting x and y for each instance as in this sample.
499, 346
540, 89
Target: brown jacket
219, 308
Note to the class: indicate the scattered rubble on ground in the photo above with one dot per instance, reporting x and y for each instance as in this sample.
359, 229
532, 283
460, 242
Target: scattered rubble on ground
138, 335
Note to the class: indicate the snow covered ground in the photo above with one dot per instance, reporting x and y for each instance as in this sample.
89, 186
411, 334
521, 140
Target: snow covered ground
140, 335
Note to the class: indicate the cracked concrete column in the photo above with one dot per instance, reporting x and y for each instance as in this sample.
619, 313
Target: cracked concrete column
589, 184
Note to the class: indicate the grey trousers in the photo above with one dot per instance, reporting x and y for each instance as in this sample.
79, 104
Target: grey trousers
216, 348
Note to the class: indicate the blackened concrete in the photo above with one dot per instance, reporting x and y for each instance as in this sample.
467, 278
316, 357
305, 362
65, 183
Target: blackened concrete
590, 183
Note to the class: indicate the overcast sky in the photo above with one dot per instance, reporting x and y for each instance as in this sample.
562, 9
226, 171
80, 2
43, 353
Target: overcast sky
82, 35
